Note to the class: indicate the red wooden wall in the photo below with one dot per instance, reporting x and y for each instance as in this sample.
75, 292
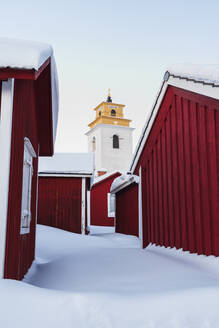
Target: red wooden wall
180, 174
59, 202
0, 96
31, 115
20, 248
127, 210
98, 202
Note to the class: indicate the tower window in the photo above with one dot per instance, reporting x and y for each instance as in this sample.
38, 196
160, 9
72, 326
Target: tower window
113, 112
115, 141
94, 144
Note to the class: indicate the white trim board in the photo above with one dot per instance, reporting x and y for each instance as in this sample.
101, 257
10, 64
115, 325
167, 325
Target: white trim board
65, 175
183, 83
140, 217
83, 205
5, 151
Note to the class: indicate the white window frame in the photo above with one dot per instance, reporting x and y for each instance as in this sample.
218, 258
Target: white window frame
29, 154
111, 205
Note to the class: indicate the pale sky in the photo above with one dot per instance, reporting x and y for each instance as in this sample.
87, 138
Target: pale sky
117, 44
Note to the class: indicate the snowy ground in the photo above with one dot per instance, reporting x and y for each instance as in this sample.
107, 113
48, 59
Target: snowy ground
107, 281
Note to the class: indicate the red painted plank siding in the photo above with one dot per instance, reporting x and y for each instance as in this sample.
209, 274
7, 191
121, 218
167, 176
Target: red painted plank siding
182, 174
99, 203
59, 203
20, 248
127, 210
0, 96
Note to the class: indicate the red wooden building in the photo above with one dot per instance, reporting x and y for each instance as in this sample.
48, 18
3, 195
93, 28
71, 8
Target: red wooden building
28, 117
177, 160
64, 181
99, 200
126, 190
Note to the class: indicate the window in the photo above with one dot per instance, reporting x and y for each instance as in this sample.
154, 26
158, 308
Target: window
115, 141
94, 144
111, 200
99, 113
29, 153
113, 112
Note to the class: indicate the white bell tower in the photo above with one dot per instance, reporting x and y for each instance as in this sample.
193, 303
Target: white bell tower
110, 138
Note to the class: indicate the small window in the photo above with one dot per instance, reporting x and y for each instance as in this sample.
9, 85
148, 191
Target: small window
29, 153
94, 144
99, 113
115, 141
111, 200
113, 112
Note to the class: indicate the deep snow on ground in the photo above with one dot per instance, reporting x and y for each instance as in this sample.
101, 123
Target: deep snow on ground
107, 281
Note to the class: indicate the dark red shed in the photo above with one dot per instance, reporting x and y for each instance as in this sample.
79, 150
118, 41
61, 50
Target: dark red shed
126, 191
28, 117
99, 200
177, 159
64, 181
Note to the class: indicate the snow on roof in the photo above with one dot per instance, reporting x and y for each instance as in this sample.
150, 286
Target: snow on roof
123, 181
23, 54
105, 176
198, 72
64, 163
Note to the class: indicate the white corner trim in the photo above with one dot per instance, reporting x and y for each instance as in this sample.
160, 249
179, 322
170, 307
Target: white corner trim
140, 223
83, 205
29, 147
88, 208
5, 151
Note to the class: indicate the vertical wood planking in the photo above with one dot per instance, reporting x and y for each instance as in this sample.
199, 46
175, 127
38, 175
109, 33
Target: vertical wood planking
181, 174
182, 156
190, 233
170, 177
156, 204
213, 179
165, 194
160, 192
204, 181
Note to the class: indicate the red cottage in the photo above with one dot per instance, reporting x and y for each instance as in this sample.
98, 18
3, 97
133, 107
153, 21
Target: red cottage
126, 190
100, 215
177, 160
64, 181
28, 117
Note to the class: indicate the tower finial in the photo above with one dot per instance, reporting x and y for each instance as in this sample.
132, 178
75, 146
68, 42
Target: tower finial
109, 99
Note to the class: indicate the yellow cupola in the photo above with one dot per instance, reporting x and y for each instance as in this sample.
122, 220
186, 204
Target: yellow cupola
111, 113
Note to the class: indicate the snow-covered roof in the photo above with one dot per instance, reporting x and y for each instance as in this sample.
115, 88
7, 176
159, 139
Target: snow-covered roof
208, 74
202, 79
123, 181
67, 163
23, 54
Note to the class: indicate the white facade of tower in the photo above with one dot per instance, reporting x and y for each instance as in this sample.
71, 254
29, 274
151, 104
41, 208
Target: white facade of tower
108, 158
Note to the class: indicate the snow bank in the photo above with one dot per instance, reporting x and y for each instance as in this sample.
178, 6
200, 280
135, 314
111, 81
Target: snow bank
78, 163
197, 72
108, 281
123, 181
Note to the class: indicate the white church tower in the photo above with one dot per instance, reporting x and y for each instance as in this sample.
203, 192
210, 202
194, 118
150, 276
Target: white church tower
110, 138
